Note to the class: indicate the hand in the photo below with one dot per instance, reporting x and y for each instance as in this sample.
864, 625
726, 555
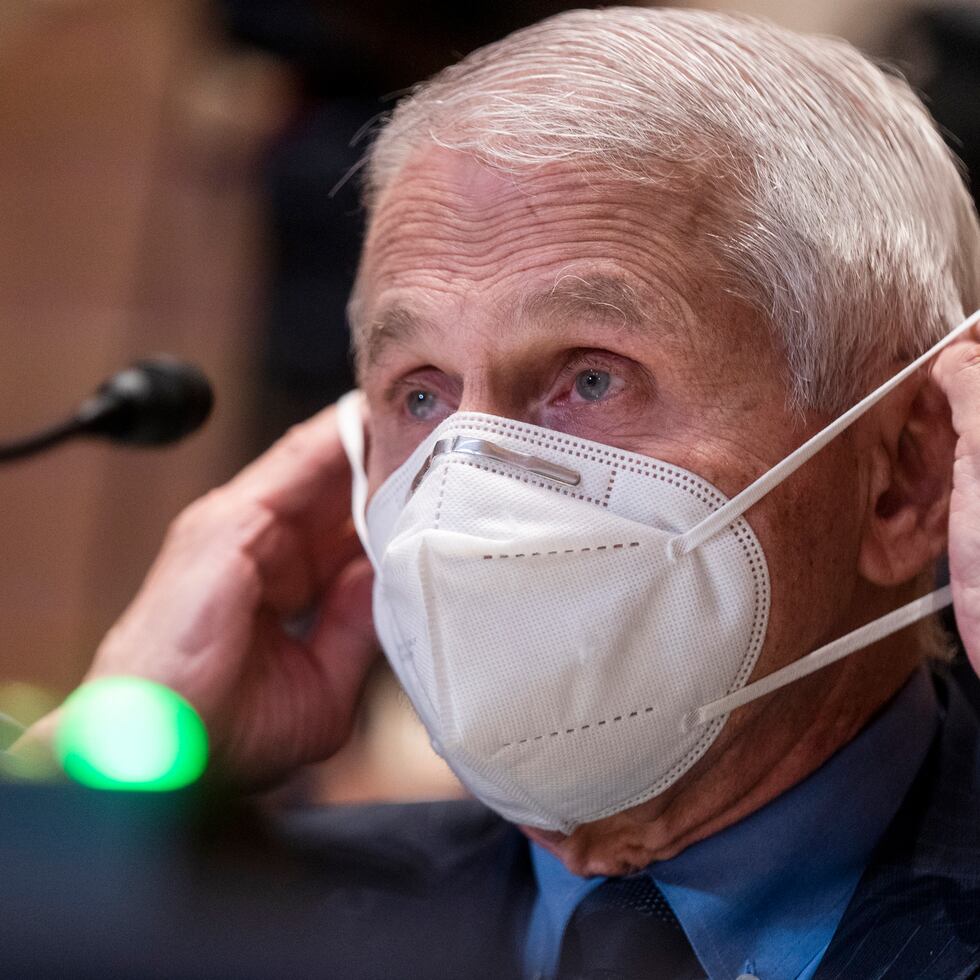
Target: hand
208, 621
957, 372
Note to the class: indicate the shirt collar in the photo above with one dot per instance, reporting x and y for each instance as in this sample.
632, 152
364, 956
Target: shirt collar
765, 895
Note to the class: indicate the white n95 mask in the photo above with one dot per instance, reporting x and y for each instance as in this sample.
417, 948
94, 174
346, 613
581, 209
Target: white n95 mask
574, 623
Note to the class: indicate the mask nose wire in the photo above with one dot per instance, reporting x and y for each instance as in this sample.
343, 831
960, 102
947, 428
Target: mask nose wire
350, 427
741, 502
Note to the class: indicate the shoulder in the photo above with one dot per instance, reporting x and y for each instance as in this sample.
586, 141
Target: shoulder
916, 907
937, 830
427, 889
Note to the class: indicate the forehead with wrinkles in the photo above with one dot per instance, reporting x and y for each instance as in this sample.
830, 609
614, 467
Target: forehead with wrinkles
549, 242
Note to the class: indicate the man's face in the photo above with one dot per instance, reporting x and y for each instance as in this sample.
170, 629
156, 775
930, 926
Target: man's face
584, 305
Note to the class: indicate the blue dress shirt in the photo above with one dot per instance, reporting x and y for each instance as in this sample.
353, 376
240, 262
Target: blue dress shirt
764, 896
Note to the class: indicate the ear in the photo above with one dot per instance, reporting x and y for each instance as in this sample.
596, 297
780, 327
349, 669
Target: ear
911, 479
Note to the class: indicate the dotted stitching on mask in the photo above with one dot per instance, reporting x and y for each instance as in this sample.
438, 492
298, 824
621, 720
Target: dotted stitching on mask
682, 482
756, 635
581, 728
442, 493
567, 551
609, 487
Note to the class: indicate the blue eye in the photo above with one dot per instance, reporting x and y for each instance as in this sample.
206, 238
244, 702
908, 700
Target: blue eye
421, 404
592, 384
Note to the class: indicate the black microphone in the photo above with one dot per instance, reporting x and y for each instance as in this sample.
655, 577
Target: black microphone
156, 401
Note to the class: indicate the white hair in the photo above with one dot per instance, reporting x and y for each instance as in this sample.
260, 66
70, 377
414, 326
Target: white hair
841, 216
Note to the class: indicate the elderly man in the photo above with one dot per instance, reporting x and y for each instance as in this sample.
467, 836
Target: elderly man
619, 266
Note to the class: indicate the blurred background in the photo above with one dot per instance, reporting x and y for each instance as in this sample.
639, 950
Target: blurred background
172, 178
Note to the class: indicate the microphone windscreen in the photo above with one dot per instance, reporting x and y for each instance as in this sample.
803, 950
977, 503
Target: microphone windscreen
156, 401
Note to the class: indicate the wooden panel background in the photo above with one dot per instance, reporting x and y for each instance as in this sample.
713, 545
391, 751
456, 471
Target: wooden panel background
129, 224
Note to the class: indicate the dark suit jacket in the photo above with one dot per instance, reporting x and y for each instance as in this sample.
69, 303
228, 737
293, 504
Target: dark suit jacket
431, 891
915, 913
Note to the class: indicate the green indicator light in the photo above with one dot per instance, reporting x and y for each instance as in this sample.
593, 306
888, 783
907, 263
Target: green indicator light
130, 733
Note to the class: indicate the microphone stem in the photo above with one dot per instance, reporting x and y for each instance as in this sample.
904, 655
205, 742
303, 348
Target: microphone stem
28, 445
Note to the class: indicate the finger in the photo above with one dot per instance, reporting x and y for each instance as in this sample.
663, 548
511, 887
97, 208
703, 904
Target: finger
306, 468
344, 643
295, 570
303, 483
333, 551
285, 566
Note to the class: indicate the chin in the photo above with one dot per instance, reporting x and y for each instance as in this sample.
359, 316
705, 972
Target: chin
592, 850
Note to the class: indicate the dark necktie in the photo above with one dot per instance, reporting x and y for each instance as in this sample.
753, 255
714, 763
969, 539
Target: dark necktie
625, 930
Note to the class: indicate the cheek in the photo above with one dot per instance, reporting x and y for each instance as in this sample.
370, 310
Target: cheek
810, 532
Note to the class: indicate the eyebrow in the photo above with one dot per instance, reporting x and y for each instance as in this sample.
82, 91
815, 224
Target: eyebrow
601, 297
394, 325
596, 297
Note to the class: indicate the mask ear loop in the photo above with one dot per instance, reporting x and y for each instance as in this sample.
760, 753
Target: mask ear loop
836, 650
754, 492
728, 513
350, 427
